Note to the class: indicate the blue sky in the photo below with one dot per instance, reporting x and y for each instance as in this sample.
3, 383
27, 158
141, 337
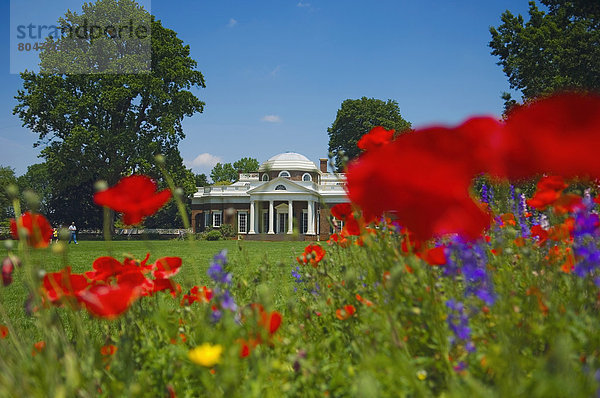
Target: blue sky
277, 71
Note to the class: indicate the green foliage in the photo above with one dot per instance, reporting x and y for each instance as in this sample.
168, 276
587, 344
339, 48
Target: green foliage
201, 180
246, 165
103, 126
7, 178
223, 173
552, 51
356, 118
227, 231
36, 180
227, 172
213, 234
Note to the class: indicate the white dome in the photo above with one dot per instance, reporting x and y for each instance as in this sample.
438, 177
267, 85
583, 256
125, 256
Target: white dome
288, 161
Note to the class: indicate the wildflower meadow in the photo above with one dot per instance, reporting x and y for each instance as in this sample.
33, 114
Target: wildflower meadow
468, 265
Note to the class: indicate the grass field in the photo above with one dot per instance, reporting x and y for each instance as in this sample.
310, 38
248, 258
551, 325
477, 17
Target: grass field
252, 263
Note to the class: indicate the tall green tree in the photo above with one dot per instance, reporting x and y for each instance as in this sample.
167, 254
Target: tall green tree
246, 165
100, 125
223, 172
201, 180
557, 49
228, 173
7, 178
356, 118
36, 180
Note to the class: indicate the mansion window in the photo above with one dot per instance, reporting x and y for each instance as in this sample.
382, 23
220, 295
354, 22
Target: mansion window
285, 174
217, 219
265, 177
243, 222
304, 226
336, 225
207, 219
280, 187
306, 177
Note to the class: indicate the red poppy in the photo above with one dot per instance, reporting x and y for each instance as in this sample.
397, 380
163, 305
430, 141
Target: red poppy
540, 233
312, 255
3, 332
109, 301
548, 191
108, 350
557, 134
134, 196
274, 321
423, 178
377, 137
7, 271
36, 227
345, 313
166, 267
435, 256
57, 285
38, 347
195, 295
344, 212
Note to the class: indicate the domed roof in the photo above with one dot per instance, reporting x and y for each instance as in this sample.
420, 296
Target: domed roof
288, 161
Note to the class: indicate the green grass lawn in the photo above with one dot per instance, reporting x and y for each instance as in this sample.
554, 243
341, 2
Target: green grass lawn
253, 264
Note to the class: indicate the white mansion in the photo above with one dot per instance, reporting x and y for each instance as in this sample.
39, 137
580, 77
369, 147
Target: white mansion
289, 192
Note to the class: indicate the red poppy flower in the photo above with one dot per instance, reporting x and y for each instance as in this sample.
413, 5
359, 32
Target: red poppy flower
195, 295
435, 256
540, 233
3, 332
548, 191
345, 313
108, 350
274, 321
108, 301
557, 135
7, 271
312, 255
37, 229
166, 267
134, 196
57, 285
344, 212
377, 137
38, 347
423, 178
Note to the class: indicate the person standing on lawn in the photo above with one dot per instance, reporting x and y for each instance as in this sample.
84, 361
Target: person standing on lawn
73, 230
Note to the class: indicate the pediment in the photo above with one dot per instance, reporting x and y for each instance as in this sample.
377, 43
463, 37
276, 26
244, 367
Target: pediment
280, 185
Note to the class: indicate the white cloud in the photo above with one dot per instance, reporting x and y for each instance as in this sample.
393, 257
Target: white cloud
204, 161
301, 4
232, 22
275, 71
271, 119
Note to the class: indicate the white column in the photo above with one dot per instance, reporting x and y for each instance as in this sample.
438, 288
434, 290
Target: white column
271, 217
311, 216
290, 217
252, 206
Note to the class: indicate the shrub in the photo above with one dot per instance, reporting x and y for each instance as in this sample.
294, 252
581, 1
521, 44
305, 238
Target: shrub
227, 231
213, 235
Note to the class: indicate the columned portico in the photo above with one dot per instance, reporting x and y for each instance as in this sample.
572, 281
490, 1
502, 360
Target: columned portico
252, 217
290, 218
271, 231
311, 218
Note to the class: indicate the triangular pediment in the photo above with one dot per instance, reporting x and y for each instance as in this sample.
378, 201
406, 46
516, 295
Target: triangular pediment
280, 185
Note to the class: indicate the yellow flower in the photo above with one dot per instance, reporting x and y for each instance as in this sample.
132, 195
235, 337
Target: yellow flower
206, 355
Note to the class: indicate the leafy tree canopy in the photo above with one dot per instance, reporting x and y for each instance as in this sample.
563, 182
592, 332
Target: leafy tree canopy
106, 125
7, 178
557, 49
356, 118
201, 180
228, 173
